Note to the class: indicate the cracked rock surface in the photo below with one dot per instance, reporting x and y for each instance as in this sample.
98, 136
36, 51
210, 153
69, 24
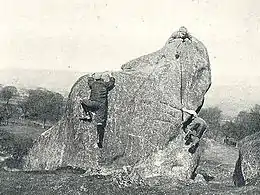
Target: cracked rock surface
143, 116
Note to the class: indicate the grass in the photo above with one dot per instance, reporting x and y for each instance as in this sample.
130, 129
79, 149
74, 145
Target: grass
218, 160
15, 142
70, 183
23, 130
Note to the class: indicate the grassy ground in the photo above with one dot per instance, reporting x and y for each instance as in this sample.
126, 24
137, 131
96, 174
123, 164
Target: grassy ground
218, 161
15, 142
23, 130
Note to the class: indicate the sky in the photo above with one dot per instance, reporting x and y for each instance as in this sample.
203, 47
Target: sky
87, 35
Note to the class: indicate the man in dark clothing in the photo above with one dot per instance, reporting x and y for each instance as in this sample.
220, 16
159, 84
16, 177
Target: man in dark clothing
194, 127
98, 103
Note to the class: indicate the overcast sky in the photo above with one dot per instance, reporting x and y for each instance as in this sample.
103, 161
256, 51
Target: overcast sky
96, 35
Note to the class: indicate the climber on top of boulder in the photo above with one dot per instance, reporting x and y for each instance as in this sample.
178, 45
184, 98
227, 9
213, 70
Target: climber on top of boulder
194, 127
182, 33
98, 102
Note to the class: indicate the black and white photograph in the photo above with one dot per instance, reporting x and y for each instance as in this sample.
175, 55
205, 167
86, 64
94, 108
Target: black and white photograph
129, 97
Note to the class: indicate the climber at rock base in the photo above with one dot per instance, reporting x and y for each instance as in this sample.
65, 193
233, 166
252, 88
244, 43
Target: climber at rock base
194, 127
98, 102
182, 33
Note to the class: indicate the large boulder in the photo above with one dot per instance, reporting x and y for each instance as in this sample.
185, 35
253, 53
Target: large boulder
143, 118
247, 169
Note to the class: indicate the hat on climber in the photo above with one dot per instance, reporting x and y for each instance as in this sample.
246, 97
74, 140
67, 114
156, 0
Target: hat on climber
97, 76
105, 76
183, 29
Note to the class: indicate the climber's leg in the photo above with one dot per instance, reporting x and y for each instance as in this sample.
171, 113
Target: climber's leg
195, 144
201, 132
88, 107
100, 132
189, 136
101, 117
88, 116
195, 139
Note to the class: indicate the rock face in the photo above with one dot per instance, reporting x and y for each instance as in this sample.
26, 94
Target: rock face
247, 169
143, 117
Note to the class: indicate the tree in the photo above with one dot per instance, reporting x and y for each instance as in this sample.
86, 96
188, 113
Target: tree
248, 122
43, 105
7, 93
245, 123
23, 106
3, 114
212, 116
230, 129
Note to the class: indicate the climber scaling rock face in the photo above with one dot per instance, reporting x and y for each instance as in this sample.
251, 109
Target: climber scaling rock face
97, 103
143, 121
194, 127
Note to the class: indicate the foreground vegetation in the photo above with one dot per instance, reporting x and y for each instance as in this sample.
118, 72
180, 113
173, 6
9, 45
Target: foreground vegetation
218, 160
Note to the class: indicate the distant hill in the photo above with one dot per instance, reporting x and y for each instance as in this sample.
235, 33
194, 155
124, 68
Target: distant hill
229, 98
58, 80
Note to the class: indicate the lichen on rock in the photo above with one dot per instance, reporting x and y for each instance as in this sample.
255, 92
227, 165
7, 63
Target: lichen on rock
247, 169
143, 117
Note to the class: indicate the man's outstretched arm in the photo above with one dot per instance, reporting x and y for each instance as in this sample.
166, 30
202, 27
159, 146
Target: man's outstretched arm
90, 81
111, 83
